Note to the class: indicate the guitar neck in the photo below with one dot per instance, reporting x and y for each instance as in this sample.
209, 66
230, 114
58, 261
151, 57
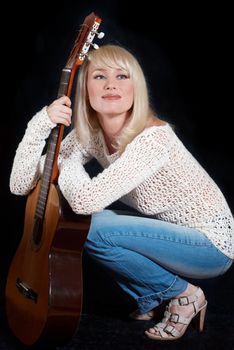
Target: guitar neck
50, 168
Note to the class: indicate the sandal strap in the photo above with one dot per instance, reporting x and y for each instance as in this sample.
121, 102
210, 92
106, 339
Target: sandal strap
185, 300
169, 329
176, 318
166, 329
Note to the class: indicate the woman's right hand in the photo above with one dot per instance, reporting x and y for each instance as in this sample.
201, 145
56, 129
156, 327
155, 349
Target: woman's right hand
60, 111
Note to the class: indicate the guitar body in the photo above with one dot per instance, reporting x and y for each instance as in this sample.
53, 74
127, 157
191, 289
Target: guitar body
44, 287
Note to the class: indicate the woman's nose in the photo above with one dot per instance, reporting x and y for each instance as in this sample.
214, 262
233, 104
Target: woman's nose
110, 84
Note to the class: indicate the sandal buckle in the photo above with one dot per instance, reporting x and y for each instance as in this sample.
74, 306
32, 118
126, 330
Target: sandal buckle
183, 301
168, 329
174, 318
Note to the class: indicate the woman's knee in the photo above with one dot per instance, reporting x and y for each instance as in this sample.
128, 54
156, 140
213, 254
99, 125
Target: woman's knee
100, 224
94, 242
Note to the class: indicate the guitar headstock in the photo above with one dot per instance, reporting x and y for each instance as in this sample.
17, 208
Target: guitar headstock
87, 32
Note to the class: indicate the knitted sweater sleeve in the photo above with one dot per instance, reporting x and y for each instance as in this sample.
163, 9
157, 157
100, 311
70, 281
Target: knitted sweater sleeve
146, 154
28, 161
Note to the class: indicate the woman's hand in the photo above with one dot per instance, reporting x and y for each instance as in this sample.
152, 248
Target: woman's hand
60, 111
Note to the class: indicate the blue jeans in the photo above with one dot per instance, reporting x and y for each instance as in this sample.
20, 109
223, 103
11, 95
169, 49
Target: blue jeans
148, 258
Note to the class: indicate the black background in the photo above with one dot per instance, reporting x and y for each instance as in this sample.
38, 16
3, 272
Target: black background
185, 52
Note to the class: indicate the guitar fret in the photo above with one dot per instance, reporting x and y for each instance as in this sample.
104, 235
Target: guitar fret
66, 72
42, 196
41, 201
53, 143
40, 208
40, 212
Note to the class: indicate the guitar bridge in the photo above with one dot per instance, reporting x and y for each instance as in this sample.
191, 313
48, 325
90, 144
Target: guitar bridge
27, 292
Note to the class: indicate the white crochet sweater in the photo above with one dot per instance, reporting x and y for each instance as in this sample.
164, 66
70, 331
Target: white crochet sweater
156, 175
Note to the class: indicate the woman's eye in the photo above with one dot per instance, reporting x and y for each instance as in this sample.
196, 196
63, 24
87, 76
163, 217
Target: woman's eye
99, 77
122, 76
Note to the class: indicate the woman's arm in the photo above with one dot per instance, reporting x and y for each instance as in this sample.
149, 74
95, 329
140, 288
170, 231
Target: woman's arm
28, 162
26, 165
145, 155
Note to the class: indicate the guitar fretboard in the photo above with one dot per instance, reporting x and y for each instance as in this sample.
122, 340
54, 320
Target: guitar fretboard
51, 150
45, 179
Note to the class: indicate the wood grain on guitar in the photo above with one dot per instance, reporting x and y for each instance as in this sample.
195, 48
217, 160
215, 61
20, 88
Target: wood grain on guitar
44, 285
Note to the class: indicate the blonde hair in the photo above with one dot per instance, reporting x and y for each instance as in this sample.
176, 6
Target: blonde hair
85, 117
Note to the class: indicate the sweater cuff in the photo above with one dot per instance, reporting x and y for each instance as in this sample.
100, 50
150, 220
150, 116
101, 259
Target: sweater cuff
47, 120
41, 124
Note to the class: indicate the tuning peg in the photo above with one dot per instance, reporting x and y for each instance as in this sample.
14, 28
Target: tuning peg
95, 46
100, 35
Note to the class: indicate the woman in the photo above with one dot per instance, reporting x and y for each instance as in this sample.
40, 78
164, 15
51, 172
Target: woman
181, 227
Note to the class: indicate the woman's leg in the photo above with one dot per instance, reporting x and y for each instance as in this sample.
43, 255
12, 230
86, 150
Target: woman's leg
146, 256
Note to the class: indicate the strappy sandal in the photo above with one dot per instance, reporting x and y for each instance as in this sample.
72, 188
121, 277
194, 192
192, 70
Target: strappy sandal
165, 331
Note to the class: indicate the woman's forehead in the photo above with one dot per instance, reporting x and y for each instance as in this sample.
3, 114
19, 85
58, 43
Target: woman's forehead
104, 67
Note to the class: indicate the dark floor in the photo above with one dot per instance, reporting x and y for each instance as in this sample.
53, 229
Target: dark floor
104, 323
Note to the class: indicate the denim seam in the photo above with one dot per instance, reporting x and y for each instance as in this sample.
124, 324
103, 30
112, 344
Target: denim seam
108, 235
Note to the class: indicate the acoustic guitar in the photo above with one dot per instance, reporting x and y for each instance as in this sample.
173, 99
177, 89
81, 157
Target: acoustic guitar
44, 286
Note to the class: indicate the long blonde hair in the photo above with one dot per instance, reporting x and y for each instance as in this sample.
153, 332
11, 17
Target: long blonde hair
85, 117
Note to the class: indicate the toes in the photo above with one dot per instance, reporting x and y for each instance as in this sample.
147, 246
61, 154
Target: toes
154, 335
152, 331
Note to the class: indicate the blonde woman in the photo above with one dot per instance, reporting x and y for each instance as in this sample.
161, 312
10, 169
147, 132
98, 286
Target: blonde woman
180, 225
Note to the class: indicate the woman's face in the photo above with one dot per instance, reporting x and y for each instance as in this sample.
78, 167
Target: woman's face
110, 90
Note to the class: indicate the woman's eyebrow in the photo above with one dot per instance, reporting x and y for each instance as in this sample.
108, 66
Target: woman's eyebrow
106, 69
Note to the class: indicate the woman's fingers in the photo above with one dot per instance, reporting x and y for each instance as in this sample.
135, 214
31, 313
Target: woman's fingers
65, 100
59, 111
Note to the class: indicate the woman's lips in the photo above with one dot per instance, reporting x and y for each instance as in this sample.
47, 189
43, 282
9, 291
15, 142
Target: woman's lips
111, 97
